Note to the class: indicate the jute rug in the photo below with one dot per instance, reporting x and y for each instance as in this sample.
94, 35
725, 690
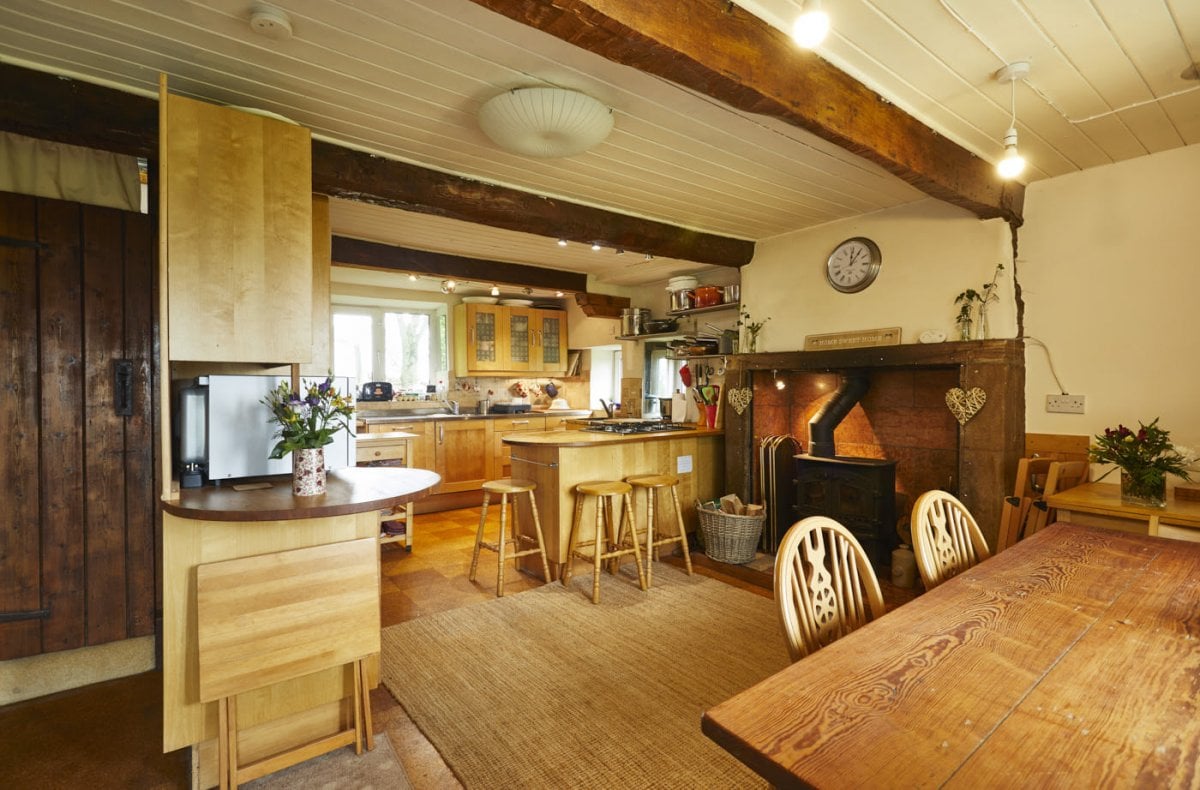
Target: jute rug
544, 689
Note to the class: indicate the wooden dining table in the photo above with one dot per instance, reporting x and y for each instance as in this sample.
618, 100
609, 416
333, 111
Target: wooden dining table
1069, 660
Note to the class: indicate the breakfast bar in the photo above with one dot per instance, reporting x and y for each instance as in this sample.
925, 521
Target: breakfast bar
213, 524
560, 460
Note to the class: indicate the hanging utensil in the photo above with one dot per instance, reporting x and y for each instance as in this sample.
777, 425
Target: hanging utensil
685, 375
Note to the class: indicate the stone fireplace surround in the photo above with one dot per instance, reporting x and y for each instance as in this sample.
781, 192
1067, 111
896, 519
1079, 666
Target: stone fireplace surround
903, 417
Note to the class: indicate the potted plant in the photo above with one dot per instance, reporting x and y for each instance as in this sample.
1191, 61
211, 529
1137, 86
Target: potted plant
308, 419
1145, 458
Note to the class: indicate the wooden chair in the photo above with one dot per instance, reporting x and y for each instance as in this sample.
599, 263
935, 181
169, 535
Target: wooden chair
825, 586
1061, 476
1016, 511
946, 539
269, 618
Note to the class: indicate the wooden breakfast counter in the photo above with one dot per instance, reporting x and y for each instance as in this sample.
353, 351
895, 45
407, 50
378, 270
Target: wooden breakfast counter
213, 524
560, 460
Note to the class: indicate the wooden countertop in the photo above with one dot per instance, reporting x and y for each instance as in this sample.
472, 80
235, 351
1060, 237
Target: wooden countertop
1105, 499
590, 438
1068, 660
351, 490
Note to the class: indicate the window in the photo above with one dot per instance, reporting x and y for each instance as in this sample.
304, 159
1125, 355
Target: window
662, 376
606, 376
404, 346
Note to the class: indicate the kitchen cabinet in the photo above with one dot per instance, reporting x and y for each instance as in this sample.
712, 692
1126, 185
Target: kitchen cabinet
463, 454
236, 201
480, 339
491, 339
501, 452
393, 448
420, 453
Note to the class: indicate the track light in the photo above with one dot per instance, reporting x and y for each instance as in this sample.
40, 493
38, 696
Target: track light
595, 246
811, 27
448, 286
1013, 164
412, 278
559, 294
495, 290
562, 242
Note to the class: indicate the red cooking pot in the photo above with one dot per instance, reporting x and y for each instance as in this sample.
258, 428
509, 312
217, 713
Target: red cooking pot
706, 296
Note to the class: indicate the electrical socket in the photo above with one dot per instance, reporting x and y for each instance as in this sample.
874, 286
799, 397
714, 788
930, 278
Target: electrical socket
1065, 404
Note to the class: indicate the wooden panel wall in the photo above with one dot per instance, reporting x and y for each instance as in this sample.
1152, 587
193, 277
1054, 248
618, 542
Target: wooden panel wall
78, 532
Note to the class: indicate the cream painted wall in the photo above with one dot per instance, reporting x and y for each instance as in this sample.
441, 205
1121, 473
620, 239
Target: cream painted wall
931, 252
1110, 273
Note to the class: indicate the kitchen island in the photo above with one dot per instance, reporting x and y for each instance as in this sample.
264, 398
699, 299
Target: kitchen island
217, 523
560, 460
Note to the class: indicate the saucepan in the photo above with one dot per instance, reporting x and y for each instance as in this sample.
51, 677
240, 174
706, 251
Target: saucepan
706, 296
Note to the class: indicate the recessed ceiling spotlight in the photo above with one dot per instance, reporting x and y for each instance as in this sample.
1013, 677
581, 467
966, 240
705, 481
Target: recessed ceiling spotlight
495, 290
269, 21
811, 26
596, 246
562, 242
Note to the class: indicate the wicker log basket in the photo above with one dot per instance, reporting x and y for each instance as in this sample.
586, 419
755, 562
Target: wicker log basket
729, 538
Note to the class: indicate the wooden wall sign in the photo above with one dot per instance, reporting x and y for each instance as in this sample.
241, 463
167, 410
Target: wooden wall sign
861, 338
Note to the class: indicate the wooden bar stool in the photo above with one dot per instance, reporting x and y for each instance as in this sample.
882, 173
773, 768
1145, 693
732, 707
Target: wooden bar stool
606, 494
652, 484
504, 487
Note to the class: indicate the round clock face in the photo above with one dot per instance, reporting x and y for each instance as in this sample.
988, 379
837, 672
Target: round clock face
853, 265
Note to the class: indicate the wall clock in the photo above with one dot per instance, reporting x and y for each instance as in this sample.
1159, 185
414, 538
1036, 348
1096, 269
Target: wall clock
853, 265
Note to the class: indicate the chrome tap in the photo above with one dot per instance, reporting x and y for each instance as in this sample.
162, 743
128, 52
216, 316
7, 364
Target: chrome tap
452, 405
608, 408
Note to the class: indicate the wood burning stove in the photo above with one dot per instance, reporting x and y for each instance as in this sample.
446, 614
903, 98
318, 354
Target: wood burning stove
859, 493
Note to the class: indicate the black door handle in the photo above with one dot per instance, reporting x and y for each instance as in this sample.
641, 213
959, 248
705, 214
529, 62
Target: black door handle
123, 387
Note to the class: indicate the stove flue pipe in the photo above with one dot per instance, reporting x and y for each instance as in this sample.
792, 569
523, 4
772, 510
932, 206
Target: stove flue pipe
820, 428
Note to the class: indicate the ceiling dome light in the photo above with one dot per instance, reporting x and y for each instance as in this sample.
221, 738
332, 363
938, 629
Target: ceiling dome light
811, 27
545, 122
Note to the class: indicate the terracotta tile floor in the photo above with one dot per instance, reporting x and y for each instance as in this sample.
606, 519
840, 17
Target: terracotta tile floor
107, 735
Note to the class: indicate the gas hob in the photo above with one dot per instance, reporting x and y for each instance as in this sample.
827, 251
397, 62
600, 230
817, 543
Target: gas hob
636, 426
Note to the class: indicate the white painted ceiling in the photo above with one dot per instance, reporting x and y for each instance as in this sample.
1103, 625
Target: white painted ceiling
405, 78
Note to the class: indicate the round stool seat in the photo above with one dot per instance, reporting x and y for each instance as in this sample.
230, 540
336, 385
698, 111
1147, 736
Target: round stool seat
509, 485
609, 488
652, 481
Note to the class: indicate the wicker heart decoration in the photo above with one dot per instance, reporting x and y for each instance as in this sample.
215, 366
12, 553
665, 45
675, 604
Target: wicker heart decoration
739, 398
965, 404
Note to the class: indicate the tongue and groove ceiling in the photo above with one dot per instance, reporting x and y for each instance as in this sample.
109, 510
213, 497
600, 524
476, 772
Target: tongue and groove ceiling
405, 78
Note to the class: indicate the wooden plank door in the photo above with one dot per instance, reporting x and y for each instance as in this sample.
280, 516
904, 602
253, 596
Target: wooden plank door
78, 534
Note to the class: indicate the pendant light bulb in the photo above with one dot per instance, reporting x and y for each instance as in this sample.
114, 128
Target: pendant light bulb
811, 27
1013, 164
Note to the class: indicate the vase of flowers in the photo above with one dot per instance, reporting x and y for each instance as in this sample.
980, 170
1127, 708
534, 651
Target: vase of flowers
751, 329
1145, 457
308, 418
971, 299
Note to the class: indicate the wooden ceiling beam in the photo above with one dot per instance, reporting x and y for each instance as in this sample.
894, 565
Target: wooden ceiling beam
354, 175
374, 255
50, 107
726, 53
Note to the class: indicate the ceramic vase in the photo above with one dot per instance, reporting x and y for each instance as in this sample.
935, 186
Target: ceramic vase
1151, 493
308, 472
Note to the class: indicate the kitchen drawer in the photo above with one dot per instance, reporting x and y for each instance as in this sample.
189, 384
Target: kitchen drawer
384, 452
519, 422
